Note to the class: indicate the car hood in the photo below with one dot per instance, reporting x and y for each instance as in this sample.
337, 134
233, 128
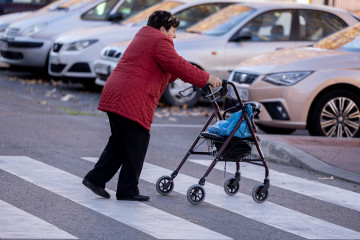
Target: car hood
192, 40
39, 17
298, 59
112, 33
11, 17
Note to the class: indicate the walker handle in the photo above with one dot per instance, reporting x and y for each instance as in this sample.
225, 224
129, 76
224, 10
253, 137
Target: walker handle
223, 90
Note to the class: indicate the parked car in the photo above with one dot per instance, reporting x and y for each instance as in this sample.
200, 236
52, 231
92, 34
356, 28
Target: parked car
28, 42
7, 19
65, 55
315, 88
12, 6
218, 43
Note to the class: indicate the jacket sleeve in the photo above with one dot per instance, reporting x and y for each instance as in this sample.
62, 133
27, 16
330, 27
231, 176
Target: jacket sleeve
171, 62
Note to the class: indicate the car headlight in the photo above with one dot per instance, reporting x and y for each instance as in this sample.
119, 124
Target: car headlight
79, 45
286, 78
34, 29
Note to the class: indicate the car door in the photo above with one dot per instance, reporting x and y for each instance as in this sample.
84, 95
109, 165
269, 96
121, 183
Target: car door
266, 32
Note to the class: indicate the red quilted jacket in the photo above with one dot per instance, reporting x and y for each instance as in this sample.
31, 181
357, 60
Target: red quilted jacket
149, 63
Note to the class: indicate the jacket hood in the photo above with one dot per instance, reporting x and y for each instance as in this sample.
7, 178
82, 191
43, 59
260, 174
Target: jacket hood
298, 59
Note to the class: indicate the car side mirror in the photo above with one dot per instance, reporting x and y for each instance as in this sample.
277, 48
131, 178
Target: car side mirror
116, 17
243, 35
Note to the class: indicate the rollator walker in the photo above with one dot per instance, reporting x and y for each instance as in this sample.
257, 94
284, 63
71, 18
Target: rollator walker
223, 148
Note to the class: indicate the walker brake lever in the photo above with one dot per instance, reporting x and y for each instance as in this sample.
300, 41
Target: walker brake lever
194, 89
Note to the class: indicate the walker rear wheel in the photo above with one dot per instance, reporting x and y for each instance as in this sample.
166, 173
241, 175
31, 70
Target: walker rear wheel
257, 196
229, 189
163, 186
196, 194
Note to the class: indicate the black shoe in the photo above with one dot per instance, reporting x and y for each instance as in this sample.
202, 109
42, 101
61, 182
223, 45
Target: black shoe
134, 198
96, 189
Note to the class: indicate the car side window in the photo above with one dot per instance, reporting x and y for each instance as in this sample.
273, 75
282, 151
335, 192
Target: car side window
194, 14
100, 11
315, 25
131, 7
268, 26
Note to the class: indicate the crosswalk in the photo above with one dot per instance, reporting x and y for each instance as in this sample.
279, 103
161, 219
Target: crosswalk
16, 223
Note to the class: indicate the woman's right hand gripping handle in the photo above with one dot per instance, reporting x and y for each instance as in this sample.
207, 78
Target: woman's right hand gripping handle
214, 81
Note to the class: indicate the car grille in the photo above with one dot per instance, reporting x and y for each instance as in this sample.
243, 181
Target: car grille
241, 77
57, 47
112, 53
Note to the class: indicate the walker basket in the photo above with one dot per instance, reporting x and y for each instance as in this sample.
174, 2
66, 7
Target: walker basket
235, 150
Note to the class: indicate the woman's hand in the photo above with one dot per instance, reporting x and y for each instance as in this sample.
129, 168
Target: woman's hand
214, 81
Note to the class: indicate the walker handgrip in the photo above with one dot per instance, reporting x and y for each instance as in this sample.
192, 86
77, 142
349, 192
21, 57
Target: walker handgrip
223, 90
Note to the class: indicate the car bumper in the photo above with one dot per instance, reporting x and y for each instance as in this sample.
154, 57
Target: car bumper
103, 69
25, 51
280, 107
74, 64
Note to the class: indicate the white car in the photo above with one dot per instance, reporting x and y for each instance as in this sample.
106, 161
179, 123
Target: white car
28, 42
218, 43
74, 52
315, 88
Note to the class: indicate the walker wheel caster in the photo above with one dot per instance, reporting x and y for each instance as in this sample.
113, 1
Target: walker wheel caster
163, 186
196, 194
257, 196
229, 189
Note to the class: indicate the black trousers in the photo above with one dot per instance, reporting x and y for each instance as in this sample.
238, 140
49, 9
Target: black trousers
126, 148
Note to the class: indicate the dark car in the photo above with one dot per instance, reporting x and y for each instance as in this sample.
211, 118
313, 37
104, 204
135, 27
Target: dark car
11, 6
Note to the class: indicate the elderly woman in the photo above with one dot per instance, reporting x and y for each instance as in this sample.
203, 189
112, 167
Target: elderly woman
130, 97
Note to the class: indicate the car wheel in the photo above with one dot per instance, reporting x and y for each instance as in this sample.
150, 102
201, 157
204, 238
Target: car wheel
172, 97
275, 130
336, 114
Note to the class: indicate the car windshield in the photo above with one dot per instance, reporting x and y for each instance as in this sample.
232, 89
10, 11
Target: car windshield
70, 4
142, 17
347, 39
221, 22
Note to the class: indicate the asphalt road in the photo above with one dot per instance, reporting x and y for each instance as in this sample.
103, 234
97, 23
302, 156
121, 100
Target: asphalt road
52, 133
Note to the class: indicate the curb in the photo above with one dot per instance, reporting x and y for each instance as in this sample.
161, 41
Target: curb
283, 153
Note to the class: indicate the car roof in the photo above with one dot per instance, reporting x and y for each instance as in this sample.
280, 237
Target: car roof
200, 1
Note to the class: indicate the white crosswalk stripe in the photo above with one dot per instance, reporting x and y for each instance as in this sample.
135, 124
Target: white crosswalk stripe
18, 224
138, 215
306, 187
268, 213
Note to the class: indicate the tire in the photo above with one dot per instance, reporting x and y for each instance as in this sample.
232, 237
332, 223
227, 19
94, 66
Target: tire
336, 114
160, 185
257, 197
196, 194
172, 97
229, 190
275, 130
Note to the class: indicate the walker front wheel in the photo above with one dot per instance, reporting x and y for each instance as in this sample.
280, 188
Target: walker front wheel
196, 194
229, 188
257, 195
164, 186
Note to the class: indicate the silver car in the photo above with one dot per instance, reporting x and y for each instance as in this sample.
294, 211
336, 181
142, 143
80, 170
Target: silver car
28, 42
69, 49
218, 43
315, 88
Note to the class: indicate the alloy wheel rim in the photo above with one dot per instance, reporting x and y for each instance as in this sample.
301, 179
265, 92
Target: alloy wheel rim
340, 117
